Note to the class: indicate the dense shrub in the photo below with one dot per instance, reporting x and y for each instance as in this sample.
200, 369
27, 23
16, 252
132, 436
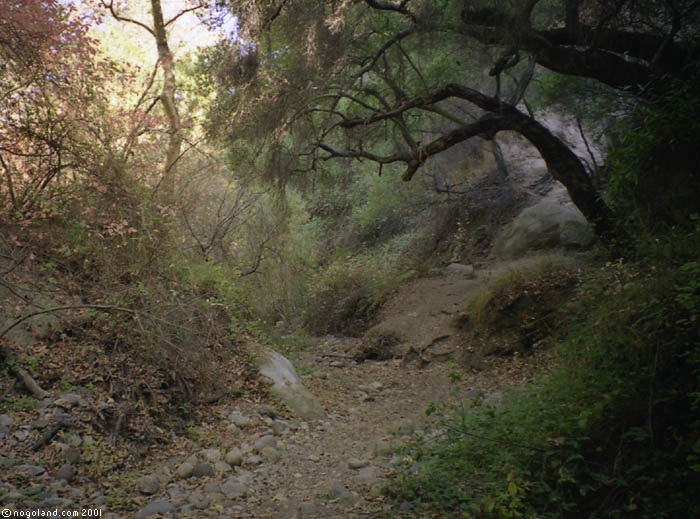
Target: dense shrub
611, 432
654, 169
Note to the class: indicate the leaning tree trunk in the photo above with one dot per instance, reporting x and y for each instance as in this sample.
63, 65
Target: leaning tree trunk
566, 167
562, 163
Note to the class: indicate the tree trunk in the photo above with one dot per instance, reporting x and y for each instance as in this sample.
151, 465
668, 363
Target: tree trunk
167, 95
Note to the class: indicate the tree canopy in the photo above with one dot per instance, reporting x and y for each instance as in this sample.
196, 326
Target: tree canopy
399, 82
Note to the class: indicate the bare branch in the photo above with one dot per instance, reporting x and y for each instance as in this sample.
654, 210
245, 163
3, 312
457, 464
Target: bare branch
184, 11
398, 8
116, 16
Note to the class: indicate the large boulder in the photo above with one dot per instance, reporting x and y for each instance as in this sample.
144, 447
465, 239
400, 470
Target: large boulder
546, 225
287, 386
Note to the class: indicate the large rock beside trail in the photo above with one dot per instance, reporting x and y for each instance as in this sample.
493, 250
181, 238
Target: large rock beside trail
545, 225
288, 388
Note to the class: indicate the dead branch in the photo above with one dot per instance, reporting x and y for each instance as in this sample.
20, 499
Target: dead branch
21, 374
104, 308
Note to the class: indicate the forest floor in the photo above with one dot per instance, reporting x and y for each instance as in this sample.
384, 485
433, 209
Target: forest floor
248, 457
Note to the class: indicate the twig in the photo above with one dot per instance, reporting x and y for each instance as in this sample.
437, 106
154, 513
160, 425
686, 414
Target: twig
61, 422
495, 440
21, 374
104, 308
9, 390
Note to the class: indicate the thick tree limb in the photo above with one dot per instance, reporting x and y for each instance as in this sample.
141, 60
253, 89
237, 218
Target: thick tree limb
398, 8
616, 57
562, 163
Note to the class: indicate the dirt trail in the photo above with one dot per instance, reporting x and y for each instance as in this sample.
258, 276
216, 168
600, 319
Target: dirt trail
314, 478
374, 405
284, 468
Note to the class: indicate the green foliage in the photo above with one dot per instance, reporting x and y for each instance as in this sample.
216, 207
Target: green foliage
21, 403
654, 169
610, 432
99, 458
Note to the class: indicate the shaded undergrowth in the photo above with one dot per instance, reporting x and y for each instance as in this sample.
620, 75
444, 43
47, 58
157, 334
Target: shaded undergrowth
610, 432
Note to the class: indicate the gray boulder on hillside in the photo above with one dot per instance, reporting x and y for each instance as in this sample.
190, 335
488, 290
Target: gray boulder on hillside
288, 388
547, 225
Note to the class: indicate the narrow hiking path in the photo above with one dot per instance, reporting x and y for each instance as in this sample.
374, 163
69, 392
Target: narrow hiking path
335, 468
247, 457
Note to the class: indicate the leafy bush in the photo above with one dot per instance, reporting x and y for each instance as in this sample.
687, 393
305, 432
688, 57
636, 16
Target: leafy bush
654, 170
610, 432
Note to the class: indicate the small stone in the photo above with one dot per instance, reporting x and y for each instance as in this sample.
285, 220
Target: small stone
278, 427
156, 507
198, 501
40, 423
73, 440
66, 472
67, 400
222, 466
341, 493
314, 458
376, 386
234, 488
212, 486
30, 470
59, 484
148, 485
246, 477
337, 364
202, 469
234, 457
193, 459
239, 419
175, 492
71, 455
270, 454
354, 463
265, 441
217, 499
232, 428
253, 459
268, 410
21, 435
464, 271
6, 419
211, 455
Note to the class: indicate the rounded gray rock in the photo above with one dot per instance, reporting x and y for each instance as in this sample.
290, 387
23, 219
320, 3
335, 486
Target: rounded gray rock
148, 485
234, 457
30, 470
211, 455
265, 441
202, 469
66, 472
156, 507
234, 488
